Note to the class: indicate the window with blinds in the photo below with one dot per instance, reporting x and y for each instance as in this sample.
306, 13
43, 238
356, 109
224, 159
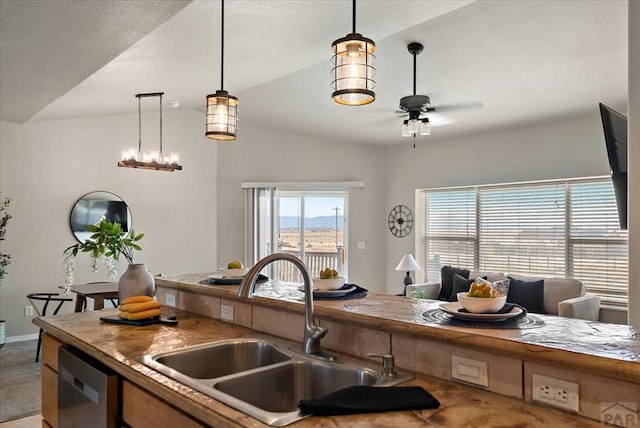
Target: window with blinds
558, 229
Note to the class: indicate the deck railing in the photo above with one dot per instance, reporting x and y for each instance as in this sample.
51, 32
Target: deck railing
315, 261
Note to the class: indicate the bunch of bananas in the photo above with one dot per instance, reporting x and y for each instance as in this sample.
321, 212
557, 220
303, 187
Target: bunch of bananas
139, 308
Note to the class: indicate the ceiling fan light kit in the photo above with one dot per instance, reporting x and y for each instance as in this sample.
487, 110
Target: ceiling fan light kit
153, 160
222, 109
353, 70
414, 104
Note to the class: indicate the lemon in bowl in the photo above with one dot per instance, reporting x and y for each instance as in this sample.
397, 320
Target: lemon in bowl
329, 280
481, 305
234, 269
326, 284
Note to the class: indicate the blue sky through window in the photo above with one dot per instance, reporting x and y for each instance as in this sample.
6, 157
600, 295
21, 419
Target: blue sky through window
314, 206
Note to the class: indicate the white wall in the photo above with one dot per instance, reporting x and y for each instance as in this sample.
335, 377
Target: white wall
46, 166
262, 154
634, 163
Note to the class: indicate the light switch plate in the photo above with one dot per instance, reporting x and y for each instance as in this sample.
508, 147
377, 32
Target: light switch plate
470, 371
170, 300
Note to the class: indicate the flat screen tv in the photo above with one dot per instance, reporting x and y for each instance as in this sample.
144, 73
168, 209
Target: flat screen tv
88, 211
615, 137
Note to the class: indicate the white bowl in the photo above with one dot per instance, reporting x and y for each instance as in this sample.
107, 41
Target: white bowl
233, 273
328, 284
481, 305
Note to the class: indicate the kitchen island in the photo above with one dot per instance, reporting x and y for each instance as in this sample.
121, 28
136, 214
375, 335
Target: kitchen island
593, 354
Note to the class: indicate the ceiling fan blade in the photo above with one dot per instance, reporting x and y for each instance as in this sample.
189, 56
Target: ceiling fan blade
459, 106
389, 121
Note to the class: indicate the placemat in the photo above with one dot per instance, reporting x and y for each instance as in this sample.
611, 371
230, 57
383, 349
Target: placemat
232, 281
358, 293
439, 317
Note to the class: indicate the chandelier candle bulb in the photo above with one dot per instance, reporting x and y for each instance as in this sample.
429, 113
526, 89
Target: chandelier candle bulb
153, 160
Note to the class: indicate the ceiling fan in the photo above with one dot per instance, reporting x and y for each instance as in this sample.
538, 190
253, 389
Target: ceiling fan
417, 105
414, 104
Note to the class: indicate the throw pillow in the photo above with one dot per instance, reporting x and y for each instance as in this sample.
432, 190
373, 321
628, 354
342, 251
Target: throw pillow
502, 286
446, 275
460, 284
529, 295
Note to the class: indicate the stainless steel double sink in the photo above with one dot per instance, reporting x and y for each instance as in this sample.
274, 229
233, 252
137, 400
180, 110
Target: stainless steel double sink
262, 377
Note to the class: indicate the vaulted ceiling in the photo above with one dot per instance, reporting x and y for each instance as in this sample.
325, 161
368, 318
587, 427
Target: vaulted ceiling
508, 63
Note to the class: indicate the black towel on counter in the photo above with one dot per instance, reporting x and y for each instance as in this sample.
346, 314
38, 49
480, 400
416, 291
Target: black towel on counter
370, 399
504, 310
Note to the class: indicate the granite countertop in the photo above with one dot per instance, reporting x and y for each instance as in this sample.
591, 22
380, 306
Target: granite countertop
117, 346
609, 349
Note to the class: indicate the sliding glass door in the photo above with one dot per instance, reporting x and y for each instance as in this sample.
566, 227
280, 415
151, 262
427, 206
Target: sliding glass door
310, 225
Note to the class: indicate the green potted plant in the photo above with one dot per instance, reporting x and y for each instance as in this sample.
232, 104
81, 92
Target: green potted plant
5, 259
107, 243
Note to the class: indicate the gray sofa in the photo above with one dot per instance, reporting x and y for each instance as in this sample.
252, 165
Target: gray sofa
563, 297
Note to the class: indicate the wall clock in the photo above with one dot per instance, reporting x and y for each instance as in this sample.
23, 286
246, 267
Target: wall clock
400, 221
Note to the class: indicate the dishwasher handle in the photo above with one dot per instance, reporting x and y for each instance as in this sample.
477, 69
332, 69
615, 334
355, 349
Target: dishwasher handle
80, 386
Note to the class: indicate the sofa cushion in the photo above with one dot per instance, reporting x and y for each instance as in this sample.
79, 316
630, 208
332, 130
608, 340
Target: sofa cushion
528, 294
446, 279
490, 276
424, 290
556, 290
460, 284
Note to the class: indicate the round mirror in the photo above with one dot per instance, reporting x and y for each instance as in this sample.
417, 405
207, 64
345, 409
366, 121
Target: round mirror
91, 207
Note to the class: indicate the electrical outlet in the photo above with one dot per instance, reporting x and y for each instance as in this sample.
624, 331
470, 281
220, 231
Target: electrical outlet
28, 311
561, 395
226, 313
555, 392
170, 299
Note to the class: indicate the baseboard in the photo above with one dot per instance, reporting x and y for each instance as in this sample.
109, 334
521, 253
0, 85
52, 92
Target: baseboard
21, 338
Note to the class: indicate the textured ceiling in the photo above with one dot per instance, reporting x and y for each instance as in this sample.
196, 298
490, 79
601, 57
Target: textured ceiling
510, 62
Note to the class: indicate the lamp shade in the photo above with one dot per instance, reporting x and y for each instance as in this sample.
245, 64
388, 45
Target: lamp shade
353, 70
408, 264
221, 116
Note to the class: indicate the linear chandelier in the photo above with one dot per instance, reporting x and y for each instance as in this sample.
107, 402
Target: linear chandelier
154, 159
353, 71
222, 109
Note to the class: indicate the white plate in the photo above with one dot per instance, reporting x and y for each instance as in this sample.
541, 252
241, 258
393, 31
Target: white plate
330, 293
452, 309
223, 280
221, 276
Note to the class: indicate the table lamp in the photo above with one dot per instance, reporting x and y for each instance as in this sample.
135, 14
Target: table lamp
407, 264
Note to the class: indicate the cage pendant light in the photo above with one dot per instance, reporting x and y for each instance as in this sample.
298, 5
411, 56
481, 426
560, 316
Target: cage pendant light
353, 70
222, 109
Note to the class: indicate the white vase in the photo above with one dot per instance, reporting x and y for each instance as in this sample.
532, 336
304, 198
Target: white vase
136, 281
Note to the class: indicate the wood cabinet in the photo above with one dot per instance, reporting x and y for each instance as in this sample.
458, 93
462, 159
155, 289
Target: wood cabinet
50, 347
139, 408
142, 409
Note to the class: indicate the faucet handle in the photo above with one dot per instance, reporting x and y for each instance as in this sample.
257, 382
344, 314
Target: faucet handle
388, 364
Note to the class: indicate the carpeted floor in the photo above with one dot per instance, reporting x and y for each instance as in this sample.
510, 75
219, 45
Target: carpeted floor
19, 380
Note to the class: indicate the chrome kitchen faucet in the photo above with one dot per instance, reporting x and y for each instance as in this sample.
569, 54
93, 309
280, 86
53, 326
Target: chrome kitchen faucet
312, 332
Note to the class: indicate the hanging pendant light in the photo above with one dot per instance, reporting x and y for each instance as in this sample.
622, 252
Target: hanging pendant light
154, 159
222, 108
353, 71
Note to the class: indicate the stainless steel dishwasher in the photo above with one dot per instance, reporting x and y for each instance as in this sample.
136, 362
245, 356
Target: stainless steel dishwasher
88, 391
